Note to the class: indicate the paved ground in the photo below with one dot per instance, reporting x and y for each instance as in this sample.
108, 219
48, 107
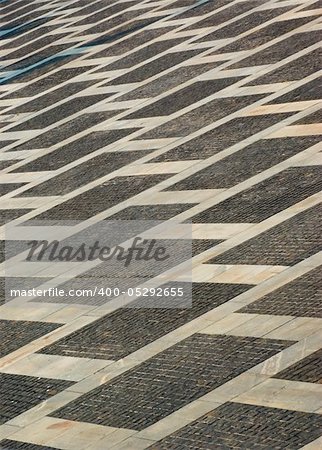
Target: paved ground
201, 112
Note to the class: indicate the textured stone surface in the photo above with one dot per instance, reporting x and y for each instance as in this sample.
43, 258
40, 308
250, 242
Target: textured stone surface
308, 369
126, 330
199, 112
20, 393
301, 297
169, 380
234, 425
16, 334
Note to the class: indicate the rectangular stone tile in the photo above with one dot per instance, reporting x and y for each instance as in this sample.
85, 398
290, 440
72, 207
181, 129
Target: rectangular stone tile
293, 395
56, 367
234, 425
169, 380
217, 230
297, 329
260, 325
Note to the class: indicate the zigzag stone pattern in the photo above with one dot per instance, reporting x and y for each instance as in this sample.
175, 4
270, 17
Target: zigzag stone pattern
200, 113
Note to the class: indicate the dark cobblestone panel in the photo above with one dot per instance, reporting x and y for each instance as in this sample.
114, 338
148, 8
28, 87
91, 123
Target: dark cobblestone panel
180, 4
6, 215
83, 173
6, 164
35, 58
183, 98
75, 150
214, 141
105, 13
119, 48
168, 81
19, 393
308, 370
226, 14
66, 130
264, 199
9, 187
4, 143
36, 45
8, 444
201, 9
101, 197
285, 244
48, 82
151, 212
201, 245
238, 426
294, 70
16, 282
281, 50
264, 35
308, 91
314, 5
301, 298
59, 112
144, 53
126, 330
43, 70
247, 162
315, 117
200, 117
242, 25
116, 25
154, 67
17, 333
46, 100
170, 380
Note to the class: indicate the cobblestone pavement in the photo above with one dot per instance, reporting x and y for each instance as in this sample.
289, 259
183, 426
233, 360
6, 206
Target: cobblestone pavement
204, 113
